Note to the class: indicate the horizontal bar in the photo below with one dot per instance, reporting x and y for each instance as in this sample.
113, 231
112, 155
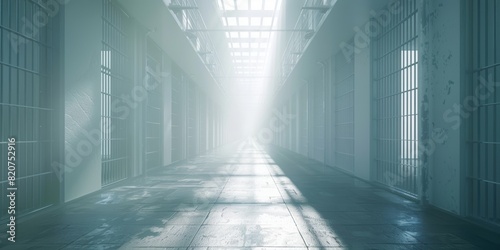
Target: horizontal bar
24, 106
483, 180
239, 28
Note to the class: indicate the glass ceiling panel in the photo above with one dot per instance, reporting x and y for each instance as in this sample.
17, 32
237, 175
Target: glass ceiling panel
255, 21
242, 4
228, 4
256, 5
248, 47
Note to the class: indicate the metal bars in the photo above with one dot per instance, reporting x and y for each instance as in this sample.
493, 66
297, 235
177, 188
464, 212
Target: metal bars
483, 175
344, 112
26, 110
154, 107
115, 83
303, 120
395, 87
191, 120
177, 114
310, 19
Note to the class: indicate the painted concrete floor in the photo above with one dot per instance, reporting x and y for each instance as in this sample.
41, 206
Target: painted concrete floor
243, 198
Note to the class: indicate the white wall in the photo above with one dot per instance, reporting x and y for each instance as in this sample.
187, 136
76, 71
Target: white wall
82, 67
362, 114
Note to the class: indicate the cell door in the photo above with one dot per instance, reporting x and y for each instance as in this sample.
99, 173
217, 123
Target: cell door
192, 137
483, 88
177, 114
344, 112
395, 97
153, 120
116, 84
28, 108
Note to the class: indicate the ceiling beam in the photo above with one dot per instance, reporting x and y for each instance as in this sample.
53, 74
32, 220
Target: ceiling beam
255, 29
248, 13
248, 40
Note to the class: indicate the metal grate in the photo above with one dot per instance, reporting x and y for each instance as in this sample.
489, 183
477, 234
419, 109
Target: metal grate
115, 83
26, 110
202, 128
484, 133
191, 120
303, 120
318, 125
293, 123
395, 86
177, 114
154, 107
344, 112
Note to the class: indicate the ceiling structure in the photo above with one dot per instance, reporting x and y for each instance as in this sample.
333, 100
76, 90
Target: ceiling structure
248, 40
201, 32
247, 27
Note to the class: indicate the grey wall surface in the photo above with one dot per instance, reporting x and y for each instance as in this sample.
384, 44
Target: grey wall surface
441, 82
440, 85
362, 114
82, 69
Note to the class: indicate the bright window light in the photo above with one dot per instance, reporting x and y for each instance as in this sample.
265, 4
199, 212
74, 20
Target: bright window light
242, 4
254, 34
262, 53
270, 5
266, 21
255, 21
256, 4
244, 45
231, 21
254, 45
229, 4
264, 35
244, 34
254, 53
243, 21
236, 45
237, 53
263, 45
245, 54
234, 34
224, 22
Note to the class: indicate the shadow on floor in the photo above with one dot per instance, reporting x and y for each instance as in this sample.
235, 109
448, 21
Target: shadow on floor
244, 197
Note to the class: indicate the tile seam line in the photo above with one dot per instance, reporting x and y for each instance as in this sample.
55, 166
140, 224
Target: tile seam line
208, 214
286, 205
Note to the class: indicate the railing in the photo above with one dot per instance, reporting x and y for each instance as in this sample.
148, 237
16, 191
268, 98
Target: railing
191, 22
310, 19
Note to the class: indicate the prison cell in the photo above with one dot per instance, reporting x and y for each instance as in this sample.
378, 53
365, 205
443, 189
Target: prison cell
483, 175
343, 92
319, 117
191, 119
293, 123
202, 129
303, 118
310, 119
395, 89
154, 106
27, 106
115, 85
177, 117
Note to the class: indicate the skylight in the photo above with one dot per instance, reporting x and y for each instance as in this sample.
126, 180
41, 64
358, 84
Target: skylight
252, 15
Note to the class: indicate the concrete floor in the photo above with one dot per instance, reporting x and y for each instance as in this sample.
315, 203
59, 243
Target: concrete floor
244, 198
